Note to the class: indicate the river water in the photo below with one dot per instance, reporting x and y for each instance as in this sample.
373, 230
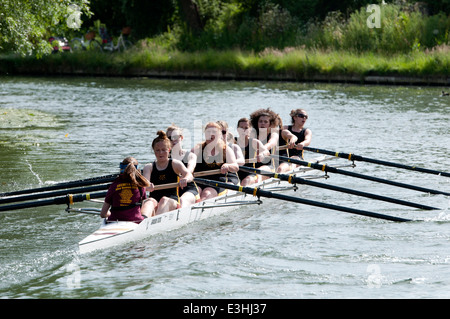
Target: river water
62, 129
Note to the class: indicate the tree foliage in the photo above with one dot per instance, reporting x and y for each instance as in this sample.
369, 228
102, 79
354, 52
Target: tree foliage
25, 24
219, 24
146, 18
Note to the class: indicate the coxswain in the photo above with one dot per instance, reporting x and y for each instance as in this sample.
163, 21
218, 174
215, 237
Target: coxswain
125, 199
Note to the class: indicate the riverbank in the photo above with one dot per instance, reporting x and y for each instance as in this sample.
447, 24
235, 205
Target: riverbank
291, 64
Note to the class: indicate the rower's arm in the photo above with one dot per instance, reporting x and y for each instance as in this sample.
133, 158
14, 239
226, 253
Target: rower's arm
181, 170
238, 154
289, 137
105, 210
273, 142
147, 171
192, 161
231, 163
307, 141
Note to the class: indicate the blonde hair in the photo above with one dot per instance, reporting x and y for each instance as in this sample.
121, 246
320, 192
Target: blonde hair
172, 128
220, 142
295, 112
224, 127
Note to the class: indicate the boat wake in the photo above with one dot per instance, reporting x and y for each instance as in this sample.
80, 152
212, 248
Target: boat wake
34, 173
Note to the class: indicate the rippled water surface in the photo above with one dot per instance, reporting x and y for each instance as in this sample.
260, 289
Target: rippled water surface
62, 129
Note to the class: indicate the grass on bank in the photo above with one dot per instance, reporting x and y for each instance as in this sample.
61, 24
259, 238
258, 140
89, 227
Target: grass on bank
295, 62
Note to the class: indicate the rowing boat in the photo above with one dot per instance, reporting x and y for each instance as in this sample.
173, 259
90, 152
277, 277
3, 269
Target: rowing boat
115, 233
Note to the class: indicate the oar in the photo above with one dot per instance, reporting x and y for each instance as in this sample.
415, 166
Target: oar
71, 191
206, 173
327, 168
298, 180
262, 193
83, 182
69, 199
89, 211
165, 186
53, 194
353, 157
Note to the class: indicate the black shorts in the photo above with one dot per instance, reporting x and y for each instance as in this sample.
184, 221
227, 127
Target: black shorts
230, 178
242, 175
191, 188
171, 196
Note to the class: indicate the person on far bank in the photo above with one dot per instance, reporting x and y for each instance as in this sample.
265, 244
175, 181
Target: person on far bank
301, 137
125, 199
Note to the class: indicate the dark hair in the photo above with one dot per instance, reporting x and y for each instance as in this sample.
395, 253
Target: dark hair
242, 120
274, 118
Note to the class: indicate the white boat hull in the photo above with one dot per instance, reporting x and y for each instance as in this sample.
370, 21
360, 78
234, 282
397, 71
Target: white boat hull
118, 233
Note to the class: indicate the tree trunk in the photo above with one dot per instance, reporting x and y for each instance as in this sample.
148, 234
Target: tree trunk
191, 15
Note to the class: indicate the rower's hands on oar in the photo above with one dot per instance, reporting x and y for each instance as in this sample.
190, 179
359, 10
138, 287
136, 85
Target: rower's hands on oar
291, 144
183, 182
260, 158
225, 168
151, 187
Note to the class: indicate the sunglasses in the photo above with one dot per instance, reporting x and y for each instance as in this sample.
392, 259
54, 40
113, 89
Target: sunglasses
174, 137
122, 167
301, 115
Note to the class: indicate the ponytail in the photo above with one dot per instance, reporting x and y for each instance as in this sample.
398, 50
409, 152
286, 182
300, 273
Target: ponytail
162, 137
130, 173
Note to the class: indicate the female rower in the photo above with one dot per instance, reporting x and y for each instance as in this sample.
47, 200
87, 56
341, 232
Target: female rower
229, 140
165, 170
215, 156
189, 194
253, 151
266, 125
126, 195
296, 137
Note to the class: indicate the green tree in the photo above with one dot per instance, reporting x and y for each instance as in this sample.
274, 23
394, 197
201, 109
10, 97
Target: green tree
26, 24
146, 18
